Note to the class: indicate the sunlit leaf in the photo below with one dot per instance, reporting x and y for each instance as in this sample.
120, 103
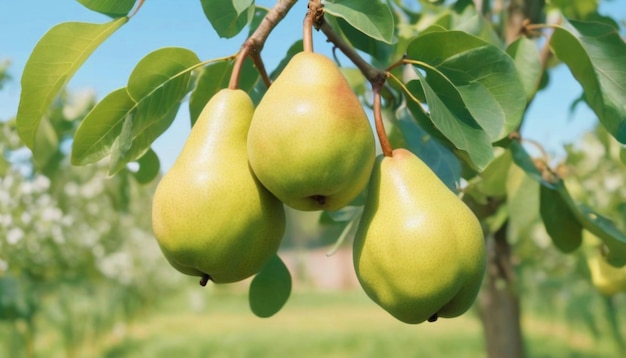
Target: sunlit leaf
97, 132
492, 181
372, 17
228, 17
113, 8
54, 60
561, 224
149, 166
595, 54
450, 117
522, 202
526, 57
483, 75
270, 288
439, 158
46, 143
131, 145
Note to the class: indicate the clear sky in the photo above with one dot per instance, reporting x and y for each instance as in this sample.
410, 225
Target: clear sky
162, 23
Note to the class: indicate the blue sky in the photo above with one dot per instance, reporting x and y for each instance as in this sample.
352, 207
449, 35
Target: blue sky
162, 23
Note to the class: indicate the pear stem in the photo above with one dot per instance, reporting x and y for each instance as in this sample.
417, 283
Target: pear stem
314, 11
378, 121
233, 83
254, 44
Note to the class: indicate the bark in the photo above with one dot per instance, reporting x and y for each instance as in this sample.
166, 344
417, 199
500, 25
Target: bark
498, 303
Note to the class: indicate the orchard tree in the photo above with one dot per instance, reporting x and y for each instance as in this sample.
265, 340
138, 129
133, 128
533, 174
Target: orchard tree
72, 241
448, 82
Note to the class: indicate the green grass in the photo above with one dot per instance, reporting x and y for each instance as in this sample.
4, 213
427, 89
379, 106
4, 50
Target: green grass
215, 322
318, 324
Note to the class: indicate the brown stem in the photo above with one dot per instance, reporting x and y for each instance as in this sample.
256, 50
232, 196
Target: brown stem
137, 8
254, 44
378, 121
233, 83
314, 13
373, 75
260, 66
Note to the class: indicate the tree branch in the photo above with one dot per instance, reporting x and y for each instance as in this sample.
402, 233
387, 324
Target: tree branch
373, 75
254, 44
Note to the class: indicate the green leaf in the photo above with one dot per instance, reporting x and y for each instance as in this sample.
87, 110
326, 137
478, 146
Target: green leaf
492, 181
349, 230
561, 224
622, 154
46, 143
522, 202
97, 132
149, 167
132, 144
482, 74
215, 77
228, 17
603, 228
372, 17
257, 19
128, 120
379, 50
528, 63
439, 158
112, 8
450, 117
524, 161
270, 288
166, 70
54, 60
595, 54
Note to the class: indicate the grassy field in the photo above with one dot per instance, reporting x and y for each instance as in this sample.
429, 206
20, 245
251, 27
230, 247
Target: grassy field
217, 323
318, 324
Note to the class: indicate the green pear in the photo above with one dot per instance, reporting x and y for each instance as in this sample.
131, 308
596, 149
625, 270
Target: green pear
310, 142
210, 215
607, 279
419, 251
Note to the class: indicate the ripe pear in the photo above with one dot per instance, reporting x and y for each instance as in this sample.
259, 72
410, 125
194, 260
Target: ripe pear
419, 251
210, 215
310, 142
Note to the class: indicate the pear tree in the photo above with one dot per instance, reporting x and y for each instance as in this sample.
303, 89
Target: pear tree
448, 82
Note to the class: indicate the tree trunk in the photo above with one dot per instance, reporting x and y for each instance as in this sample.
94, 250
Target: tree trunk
498, 303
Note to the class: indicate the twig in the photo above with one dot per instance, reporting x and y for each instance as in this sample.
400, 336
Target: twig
254, 44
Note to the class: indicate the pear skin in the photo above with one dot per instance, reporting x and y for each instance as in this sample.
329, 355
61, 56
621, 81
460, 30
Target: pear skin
310, 142
419, 251
210, 214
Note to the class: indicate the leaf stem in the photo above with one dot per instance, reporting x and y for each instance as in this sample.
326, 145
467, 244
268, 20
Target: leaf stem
378, 121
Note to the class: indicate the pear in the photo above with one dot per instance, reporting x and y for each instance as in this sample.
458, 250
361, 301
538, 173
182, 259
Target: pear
419, 251
607, 279
211, 216
310, 142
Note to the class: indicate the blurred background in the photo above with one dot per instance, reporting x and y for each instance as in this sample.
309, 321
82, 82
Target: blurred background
81, 274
